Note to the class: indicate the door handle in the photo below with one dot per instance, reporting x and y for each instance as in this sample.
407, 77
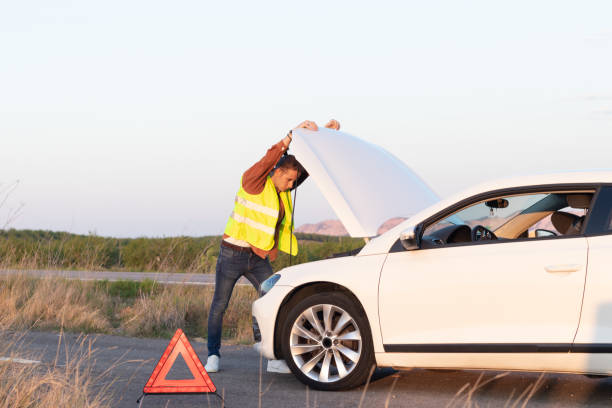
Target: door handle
563, 268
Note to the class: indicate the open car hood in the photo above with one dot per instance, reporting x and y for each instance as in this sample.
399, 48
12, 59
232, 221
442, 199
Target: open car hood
364, 184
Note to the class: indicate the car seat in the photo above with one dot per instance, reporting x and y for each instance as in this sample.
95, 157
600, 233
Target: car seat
567, 223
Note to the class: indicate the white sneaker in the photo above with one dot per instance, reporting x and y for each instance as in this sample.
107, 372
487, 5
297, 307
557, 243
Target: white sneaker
212, 364
278, 366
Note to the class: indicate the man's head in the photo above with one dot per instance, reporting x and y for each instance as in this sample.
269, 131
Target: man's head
286, 172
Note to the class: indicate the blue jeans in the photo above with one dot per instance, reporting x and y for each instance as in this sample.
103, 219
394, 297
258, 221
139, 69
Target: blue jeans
231, 265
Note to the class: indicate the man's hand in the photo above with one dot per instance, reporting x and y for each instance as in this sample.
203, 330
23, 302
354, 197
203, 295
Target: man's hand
307, 124
333, 124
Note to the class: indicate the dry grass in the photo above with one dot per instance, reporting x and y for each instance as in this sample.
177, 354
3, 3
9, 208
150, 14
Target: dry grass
187, 307
50, 303
70, 384
466, 395
99, 307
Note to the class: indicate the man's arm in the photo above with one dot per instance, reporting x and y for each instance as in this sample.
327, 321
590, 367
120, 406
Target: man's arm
254, 179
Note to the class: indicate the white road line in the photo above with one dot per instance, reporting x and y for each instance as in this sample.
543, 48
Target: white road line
18, 360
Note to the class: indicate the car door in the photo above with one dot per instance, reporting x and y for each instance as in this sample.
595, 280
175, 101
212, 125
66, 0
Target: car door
593, 344
509, 296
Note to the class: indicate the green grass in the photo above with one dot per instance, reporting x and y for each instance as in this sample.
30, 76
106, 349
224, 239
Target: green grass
127, 289
29, 249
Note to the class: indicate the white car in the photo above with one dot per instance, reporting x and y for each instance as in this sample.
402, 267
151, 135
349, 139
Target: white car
510, 275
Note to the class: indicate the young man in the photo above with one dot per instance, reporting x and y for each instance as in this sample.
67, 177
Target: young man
259, 226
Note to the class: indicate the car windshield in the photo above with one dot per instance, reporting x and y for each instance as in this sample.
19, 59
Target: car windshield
491, 218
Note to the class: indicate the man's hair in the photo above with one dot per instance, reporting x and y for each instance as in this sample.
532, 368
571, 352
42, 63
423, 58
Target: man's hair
289, 162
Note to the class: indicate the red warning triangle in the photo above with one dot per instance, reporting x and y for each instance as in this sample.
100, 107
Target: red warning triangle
200, 383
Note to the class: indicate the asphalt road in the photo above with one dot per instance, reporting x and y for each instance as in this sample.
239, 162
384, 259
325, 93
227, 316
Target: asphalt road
244, 385
174, 278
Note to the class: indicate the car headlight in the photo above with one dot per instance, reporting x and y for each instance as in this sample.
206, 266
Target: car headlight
269, 283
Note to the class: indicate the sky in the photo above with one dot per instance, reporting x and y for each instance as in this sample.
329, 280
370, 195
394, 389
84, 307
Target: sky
137, 118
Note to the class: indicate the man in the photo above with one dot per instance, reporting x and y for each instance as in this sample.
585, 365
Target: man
259, 226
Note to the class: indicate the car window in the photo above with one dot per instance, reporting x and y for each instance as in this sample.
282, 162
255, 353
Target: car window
600, 221
513, 217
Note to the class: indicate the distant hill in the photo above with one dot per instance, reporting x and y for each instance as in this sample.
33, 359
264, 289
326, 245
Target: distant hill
327, 227
390, 223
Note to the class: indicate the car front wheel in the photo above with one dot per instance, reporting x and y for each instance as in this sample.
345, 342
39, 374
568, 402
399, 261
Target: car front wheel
326, 342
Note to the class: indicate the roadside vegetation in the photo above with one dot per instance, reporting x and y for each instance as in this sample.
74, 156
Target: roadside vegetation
144, 309
29, 249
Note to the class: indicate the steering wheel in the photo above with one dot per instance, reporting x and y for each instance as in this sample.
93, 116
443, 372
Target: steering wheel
480, 233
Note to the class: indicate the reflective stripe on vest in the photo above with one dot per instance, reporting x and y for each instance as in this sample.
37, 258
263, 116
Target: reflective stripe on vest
256, 207
252, 223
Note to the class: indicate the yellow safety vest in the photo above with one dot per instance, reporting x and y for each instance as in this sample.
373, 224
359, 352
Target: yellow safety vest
255, 216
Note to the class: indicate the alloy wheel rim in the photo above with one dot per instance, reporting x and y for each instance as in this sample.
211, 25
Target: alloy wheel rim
325, 343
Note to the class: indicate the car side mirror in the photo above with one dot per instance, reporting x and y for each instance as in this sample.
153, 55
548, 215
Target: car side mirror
544, 233
410, 238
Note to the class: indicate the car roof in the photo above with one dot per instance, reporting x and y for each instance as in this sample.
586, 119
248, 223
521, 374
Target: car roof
383, 242
578, 177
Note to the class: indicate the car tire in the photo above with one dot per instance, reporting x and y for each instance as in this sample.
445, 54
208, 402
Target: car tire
327, 343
